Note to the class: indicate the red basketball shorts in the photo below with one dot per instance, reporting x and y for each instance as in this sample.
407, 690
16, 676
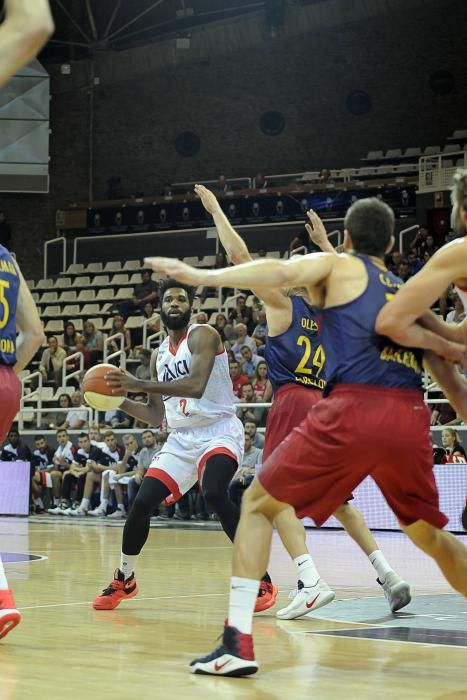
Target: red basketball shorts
291, 405
358, 431
10, 398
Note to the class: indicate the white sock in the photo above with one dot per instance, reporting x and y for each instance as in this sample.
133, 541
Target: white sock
84, 505
39, 502
104, 503
127, 564
3, 581
307, 572
243, 594
378, 560
121, 507
56, 501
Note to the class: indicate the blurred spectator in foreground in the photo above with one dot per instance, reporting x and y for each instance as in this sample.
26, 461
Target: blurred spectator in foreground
93, 341
201, 317
14, 449
457, 315
51, 363
146, 290
78, 418
454, 452
414, 262
403, 270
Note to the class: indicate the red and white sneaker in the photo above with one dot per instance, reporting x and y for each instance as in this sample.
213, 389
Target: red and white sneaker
234, 657
267, 595
118, 590
9, 616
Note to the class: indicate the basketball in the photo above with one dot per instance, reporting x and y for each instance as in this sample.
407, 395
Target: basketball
96, 392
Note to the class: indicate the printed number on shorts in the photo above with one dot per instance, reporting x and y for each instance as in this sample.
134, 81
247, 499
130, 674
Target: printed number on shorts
183, 408
318, 358
4, 303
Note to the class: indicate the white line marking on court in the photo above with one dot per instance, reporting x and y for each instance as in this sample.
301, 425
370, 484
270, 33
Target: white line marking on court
158, 597
332, 633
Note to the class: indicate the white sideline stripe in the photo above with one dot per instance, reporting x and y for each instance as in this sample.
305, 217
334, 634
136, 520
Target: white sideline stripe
158, 597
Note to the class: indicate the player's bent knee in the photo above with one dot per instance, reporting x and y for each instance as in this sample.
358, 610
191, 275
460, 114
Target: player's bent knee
257, 500
422, 534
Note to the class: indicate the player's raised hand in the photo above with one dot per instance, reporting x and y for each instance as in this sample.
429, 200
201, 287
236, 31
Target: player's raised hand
316, 230
172, 267
208, 199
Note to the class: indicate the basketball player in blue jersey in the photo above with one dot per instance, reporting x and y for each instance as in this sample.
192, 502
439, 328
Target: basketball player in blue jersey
296, 368
372, 421
27, 26
447, 266
18, 314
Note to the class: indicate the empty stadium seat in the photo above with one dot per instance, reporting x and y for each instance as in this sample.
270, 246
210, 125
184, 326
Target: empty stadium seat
393, 153
191, 260
75, 269
70, 310
86, 295
31, 283
451, 148
131, 265
134, 322
67, 296
374, 155
208, 261
93, 268
113, 266
47, 394
77, 322
63, 283
121, 280
82, 281
124, 293
54, 326
45, 284
460, 134
210, 303
100, 281
431, 151
51, 311
48, 297
105, 294
90, 310
98, 322
135, 278
413, 152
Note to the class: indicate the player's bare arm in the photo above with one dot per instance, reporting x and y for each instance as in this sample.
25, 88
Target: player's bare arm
30, 332
152, 412
317, 233
278, 304
204, 342
452, 383
309, 271
27, 26
417, 296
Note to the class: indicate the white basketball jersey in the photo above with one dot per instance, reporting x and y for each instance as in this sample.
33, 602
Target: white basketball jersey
462, 296
217, 401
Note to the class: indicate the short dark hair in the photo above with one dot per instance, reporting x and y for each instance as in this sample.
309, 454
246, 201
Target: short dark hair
246, 384
38, 437
83, 435
171, 283
61, 430
370, 223
109, 433
145, 352
148, 431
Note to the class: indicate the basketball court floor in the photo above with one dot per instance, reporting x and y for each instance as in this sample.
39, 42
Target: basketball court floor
352, 648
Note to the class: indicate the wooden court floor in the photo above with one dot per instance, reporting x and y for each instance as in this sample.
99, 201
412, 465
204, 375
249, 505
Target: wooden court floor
65, 649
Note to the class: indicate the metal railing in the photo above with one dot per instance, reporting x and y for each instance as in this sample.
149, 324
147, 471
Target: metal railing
75, 373
121, 354
159, 336
436, 172
146, 322
403, 233
39, 410
35, 392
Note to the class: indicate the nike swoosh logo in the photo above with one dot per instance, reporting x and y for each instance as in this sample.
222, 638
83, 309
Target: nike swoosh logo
218, 667
310, 605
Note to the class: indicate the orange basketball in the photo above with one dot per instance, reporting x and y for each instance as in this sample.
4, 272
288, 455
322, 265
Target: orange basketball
96, 392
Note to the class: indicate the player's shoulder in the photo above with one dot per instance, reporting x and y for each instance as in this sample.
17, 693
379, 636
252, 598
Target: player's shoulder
202, 331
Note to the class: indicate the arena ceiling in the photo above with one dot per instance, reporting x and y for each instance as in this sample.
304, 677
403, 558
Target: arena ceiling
86, 26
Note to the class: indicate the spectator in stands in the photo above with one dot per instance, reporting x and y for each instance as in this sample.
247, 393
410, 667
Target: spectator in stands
59, 419
457, 315
428, 245
116, 419
426, 257
393, 261
261, 384
109, 455
242, 339
262, 253
143, 371
154, 326
324, 175
248, 361
146, 290
220, 325
115, 478
15, 450
454, 452
245, 475
202, 317
419, 241
238, 379
71, 338
52, 361
260, 331
242, 313
149, 450
93, 341
143, 399
222, 185
251, 429
414, 262
246, 414
78, 418
45, 474
404, 270
443, 414
118, 326
75, 475
259, 182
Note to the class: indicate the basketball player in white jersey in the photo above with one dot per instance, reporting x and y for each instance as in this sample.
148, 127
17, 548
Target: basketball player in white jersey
27, 26
190, 380
448, 265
